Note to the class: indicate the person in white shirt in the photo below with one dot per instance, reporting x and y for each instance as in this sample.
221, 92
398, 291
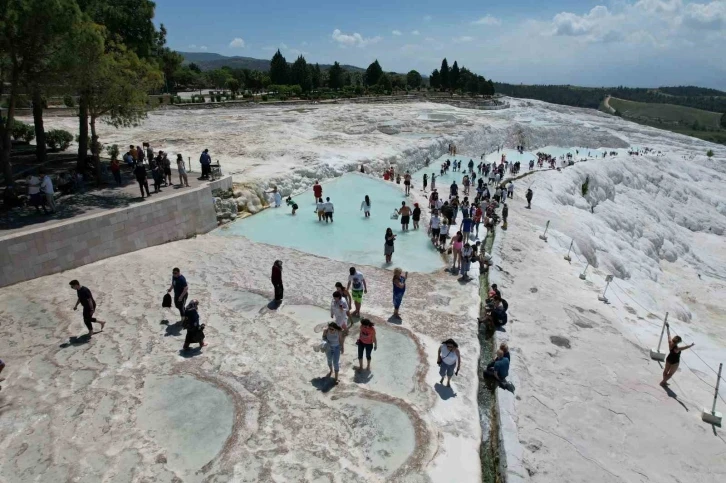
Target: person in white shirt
329, 210
36, 198
365, 206
320, 209
46, 188
340, 311
443, 234
359, 287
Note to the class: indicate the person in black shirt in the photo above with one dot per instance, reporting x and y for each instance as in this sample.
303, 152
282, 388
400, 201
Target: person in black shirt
141, 178
181, 290
85, 298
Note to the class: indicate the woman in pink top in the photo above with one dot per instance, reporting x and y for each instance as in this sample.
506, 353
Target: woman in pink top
457, 243
366, 342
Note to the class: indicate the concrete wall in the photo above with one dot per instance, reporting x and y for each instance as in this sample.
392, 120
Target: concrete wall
75, 242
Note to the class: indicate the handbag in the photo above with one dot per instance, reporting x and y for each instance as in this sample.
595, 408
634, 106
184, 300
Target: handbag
166, 301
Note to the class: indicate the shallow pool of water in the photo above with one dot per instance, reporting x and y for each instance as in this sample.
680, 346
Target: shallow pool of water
351, 237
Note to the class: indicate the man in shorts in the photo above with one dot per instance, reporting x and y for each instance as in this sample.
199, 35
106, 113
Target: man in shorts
358, 282
405, 213
85, 298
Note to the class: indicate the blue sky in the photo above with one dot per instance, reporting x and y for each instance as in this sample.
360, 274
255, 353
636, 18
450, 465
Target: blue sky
620, 42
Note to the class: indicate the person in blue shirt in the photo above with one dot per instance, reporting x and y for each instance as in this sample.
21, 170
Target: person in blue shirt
498, 368
206, 161
181, 290
465, 227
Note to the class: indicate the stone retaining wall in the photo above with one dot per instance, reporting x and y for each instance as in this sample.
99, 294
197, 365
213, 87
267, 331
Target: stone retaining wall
82, 240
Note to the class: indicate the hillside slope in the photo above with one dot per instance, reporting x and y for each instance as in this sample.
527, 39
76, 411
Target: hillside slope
211, 61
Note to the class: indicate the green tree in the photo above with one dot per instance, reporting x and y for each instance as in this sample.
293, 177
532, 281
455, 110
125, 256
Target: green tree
233, 85
195, 68
169, 61
300, 75
279, 70
335, 76
454, 79
218, 77
384, 81
444, 71
723, 121
129, 22
435, 79
413, 79
373, 73
316, 76
114, 81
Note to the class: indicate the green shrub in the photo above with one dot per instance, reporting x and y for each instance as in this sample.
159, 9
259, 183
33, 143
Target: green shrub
69, 101
264, 97
113, 151
58, 139
709, 153
219, 98
22, 131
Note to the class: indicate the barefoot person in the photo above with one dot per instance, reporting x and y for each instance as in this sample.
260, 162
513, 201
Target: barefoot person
366, 343
416, 215
276, 279
449, 360
340, 310
317, 191
399, 289
357, 281
365, 206
344, 292
674, 356
388, 246
85, 298
405, 213
407, 182
332, 336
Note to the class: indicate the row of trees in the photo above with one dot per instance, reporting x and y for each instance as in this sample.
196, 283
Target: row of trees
455, 79
108, 53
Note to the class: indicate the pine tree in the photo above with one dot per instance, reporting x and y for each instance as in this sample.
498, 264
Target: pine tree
279, 70
316, 76
373, 73
444, 75
435, 79
300, 74
335, 76
413, 79
454, 78
723, 121
385, 82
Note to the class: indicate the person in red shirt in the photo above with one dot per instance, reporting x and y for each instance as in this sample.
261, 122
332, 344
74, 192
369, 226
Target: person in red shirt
366, 342
317, 190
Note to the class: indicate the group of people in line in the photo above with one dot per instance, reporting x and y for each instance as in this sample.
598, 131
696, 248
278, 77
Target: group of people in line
142, 160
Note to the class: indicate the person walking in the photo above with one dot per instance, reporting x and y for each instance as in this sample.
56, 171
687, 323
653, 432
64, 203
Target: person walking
46, 188
674, 356
36, 198
466, 255
183, 179
435, 228
405, 213
505, 215
181, 290
466, 226
365, 207
529, 198
141, 178
407, 182
357, 281
320, 209
317, 191
433, 181
425, 182
367, 342
329, 210
448, 360
85, 299
276, 279
195, 330
116, 171
388, 246
166, 166
416, 215
339, 310
206, 161
510, 190
399, 289
332, 336
457, 243
344, 293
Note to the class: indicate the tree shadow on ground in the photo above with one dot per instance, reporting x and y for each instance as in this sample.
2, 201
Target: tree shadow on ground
673, 395
444, 392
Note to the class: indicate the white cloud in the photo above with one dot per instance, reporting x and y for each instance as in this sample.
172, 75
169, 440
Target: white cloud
283, 46
197, 47
203, 47
710, 16
427, 18
463, 39
396, 32
237, 43
353, 40
487, 20
415, 32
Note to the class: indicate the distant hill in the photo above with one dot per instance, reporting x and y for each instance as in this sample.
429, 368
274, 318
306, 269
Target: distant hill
211, 61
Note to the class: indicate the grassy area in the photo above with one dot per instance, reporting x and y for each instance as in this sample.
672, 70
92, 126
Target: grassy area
680, 119
666, 114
